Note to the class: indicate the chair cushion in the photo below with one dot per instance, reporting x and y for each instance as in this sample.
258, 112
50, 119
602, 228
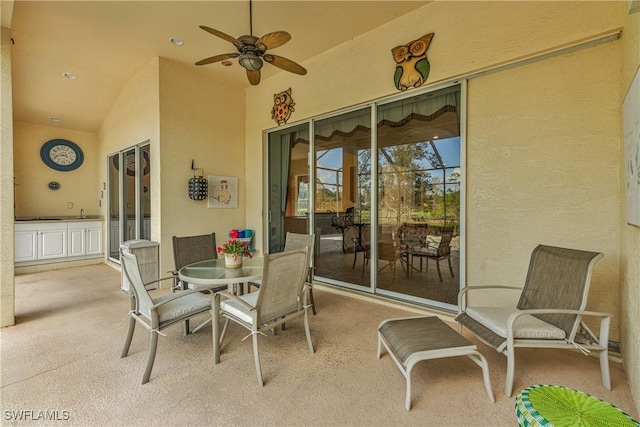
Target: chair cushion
181, 307
526, 326
232, 307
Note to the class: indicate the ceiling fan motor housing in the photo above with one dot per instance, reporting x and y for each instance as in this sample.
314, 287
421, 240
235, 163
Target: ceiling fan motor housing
250, 61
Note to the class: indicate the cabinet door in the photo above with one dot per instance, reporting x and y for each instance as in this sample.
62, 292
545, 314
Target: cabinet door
93, 240
26, 245
76, 241
52, 243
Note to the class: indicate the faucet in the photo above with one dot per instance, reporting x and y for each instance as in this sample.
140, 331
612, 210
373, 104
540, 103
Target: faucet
81, 214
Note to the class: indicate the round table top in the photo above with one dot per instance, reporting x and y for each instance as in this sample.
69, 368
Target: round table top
214, 272
553, 405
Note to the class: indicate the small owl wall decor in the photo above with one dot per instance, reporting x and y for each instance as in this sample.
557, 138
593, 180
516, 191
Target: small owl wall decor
282, 107
412, 66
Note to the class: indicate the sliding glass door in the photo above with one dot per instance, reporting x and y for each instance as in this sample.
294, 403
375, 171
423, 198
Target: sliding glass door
129, 196
386, 199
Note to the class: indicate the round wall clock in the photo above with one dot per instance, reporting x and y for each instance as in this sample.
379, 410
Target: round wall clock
61, 155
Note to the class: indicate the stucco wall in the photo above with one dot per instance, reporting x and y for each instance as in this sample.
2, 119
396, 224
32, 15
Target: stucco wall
630, 236
201, 119
543, 168
78, 187
7, 289
542, 151
134, 118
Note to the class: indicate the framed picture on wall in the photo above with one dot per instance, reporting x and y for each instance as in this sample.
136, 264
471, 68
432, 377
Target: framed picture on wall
631, 118
223, 192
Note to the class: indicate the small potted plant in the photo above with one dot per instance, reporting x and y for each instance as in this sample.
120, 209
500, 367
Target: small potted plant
234, 250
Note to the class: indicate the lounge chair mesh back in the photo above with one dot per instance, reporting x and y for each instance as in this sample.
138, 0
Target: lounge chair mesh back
558, 278
283, 277
190, 249
296, 241
143, 300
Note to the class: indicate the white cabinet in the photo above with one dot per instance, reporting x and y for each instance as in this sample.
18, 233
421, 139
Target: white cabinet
45, 242
85, 238
26, 244
40, 241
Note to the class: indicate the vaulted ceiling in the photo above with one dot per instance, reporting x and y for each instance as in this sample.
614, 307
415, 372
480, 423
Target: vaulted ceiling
105, 43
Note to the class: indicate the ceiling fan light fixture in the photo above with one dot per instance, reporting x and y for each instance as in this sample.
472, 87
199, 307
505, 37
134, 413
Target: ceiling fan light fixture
250, 61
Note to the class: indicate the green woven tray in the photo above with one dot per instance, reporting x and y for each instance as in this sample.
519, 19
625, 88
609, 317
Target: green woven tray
552, 405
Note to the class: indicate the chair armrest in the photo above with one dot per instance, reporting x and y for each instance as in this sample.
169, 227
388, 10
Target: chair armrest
236, 298
173, 272
178, 295
160, 280
462, 295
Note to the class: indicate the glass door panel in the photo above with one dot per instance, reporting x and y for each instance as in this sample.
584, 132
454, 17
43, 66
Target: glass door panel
419, 196
113, 201
129, 197
342, 196
288, 184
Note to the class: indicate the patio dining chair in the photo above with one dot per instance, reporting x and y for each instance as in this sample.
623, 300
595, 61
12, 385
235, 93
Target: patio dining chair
549, 313
157, 313
280, 298
190, 249
297, 241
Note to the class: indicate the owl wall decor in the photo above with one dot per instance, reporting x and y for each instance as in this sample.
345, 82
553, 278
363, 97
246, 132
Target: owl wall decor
282, 107
412, 66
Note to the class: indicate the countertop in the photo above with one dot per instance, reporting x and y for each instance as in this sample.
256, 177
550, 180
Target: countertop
59, 218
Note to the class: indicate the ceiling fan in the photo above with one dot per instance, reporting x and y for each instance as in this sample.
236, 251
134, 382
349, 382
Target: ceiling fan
252, 51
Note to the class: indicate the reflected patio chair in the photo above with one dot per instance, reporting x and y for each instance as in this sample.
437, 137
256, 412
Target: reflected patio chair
280, 298
549, 313
157, 313
387, 251
437, 251
297, 241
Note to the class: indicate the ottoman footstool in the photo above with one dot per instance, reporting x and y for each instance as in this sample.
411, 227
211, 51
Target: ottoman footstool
410, 340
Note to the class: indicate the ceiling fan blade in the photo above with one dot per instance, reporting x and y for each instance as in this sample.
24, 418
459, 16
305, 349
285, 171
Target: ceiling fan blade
285, 64
273, 40
253, 76
217, 58
237, 43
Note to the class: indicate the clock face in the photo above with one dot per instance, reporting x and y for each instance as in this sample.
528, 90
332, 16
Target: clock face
61, 155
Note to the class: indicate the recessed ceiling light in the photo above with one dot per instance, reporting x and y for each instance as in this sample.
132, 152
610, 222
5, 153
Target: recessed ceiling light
176, 41
69, 76
55, 119
227, 63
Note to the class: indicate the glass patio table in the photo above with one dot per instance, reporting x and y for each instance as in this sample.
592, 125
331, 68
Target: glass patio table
213, 273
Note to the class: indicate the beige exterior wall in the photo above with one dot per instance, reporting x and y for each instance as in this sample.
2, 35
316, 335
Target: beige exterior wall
630, 236
133, 119
543, 168
543, 143
201, 119
78, 188
7, 283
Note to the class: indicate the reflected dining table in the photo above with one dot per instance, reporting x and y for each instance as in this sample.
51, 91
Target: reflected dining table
213, 273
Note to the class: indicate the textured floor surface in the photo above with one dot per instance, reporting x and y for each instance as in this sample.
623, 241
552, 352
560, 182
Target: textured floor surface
63, 356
